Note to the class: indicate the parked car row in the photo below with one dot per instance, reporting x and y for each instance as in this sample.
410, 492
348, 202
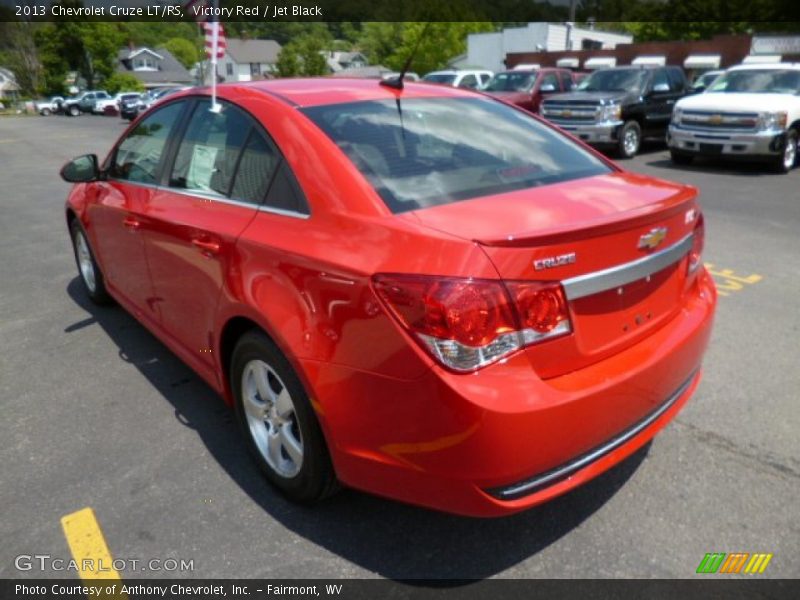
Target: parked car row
100, 102
617, 108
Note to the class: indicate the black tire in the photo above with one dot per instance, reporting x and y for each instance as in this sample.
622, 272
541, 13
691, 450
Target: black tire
681, 158
629, 131
45, 112
74, 111
788, 158
314, 478
95, 286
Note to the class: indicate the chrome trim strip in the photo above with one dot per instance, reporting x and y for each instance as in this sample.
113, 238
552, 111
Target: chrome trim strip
215, 198
523, 488
600, 281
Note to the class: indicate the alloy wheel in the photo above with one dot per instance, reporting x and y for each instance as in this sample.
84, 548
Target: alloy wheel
85, 262
272, 419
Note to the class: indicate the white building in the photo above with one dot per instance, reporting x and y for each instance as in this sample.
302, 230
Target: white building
248, 60
488, 50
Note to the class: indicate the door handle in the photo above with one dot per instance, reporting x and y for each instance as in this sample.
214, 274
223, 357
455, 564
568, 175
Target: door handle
208, 248
131, 223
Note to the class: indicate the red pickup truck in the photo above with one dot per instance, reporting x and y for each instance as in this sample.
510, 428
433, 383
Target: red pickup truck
527, 87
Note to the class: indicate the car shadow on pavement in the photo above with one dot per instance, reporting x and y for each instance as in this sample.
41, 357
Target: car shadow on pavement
717, 166
387, 538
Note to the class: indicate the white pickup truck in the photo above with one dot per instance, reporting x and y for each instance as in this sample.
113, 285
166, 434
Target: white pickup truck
750, 111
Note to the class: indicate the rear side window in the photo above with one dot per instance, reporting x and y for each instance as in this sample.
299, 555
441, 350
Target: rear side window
206, 159
418, 153
677, 80
139, 155
256, 169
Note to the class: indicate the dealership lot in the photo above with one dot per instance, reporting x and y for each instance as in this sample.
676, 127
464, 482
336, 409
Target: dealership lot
97, 413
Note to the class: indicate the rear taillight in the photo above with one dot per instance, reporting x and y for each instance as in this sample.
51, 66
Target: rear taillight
698, 241
468, 323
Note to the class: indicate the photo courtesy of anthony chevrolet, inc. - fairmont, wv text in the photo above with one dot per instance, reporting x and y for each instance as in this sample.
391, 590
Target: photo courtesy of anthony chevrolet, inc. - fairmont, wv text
420, 300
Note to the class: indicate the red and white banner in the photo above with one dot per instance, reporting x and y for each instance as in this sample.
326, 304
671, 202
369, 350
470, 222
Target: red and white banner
214, 28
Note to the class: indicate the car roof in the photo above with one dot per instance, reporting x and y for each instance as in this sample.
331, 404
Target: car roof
329, 90
762, 66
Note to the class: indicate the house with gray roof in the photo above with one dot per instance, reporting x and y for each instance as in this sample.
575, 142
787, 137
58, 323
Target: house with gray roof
343, 61
248, 60
153, 67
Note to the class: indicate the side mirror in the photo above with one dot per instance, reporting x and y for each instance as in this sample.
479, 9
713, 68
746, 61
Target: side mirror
81, 170
661, 87
547, 88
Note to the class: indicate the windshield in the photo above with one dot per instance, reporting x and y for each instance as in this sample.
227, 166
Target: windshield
614, 80
758, 81
446, 78
418, 153
511, 82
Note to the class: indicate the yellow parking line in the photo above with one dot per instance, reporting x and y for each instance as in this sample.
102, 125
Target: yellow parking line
88, 546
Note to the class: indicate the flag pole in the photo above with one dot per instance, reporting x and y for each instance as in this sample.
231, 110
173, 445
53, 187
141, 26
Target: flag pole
215, 108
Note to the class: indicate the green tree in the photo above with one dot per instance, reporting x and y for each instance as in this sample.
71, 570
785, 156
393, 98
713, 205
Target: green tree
438, 43
101, 44
21, 56
123, 82
183, 50
304, 55
379, 40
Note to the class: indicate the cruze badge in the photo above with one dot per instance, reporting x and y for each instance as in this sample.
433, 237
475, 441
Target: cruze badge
652, 238
554, 261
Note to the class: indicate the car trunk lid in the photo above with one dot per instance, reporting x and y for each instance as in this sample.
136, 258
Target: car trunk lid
590, 235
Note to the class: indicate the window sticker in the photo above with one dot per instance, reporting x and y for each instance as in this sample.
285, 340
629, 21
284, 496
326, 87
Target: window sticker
201, 168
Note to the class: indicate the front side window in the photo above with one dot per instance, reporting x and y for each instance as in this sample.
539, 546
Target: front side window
759, 81
207, 156
419, 154
550, 79
139, 155
511, 81
443, 78
468, 81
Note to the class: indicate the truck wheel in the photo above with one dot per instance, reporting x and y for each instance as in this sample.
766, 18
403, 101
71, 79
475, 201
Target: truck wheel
789, 156
74, 111
45, 112
630, 138
680, 158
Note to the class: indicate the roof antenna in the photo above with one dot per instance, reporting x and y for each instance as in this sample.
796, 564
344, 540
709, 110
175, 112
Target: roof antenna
397, 82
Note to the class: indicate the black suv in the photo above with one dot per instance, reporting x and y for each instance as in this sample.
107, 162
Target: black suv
618, 107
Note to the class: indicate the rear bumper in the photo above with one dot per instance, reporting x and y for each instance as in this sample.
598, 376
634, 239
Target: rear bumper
594, 133
471, 444
767, 144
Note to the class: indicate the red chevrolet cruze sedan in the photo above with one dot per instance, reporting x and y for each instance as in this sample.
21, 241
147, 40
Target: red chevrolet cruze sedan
423, 293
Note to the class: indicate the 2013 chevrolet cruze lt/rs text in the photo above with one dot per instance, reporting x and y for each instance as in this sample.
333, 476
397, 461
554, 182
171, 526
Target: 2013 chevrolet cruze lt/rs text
423, 293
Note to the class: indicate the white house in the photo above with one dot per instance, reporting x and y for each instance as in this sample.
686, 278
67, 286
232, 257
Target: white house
9, 90
489, 50
247, 60
342, 61
153, 67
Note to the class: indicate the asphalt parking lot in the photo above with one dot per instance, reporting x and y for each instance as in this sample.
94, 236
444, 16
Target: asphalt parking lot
97, 413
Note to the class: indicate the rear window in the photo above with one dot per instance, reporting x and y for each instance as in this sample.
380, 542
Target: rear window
420, 152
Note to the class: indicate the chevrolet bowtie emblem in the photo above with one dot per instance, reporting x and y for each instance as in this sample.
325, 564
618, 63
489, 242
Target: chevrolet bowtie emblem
652, 238
715, 119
